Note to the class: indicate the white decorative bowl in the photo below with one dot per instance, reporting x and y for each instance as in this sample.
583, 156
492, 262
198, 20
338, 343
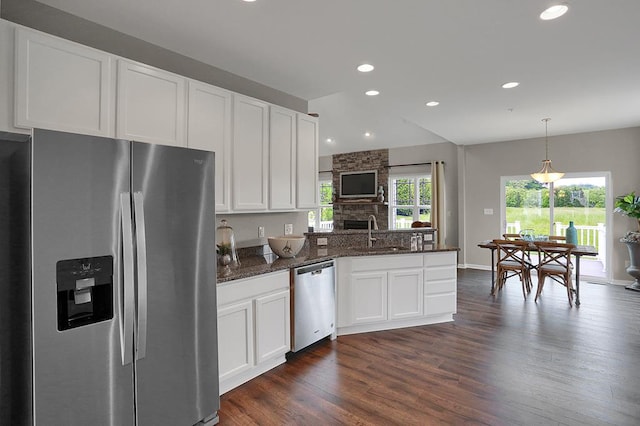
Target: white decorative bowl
286, 245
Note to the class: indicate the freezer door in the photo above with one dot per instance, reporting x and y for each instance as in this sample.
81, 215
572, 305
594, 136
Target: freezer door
79, 376
176, 366
15, 280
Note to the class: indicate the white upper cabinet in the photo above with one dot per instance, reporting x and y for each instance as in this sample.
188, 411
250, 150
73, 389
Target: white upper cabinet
307, 162
62, 85
209, 128
151, 105
250, 154
282, 159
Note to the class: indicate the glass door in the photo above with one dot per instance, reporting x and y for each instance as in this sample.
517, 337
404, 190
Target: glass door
581, 198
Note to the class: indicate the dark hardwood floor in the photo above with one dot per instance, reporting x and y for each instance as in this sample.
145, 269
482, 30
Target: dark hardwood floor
504, 361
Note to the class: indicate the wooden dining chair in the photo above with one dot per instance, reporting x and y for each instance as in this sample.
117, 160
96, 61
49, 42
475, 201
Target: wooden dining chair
555, 263
557, 238
512, 236
512, 261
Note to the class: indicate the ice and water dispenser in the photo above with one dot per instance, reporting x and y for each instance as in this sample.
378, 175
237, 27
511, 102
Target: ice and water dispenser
85, 291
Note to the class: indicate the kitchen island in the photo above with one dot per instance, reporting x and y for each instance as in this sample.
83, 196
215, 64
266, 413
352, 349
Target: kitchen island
380, 287
337, 244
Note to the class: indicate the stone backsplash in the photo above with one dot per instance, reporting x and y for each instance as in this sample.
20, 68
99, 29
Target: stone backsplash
359, 238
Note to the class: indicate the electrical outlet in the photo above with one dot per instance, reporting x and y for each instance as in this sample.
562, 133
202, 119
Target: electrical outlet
288, 228
260, 231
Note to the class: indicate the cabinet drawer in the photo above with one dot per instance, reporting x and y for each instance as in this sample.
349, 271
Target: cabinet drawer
440, 273
440, 259
440, 286
236, 290
382, 263
440, 304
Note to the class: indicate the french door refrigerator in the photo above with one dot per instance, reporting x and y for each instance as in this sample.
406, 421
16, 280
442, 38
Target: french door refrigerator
107, 274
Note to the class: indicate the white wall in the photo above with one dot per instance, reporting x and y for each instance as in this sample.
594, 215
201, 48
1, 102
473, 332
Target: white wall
446, 152
615, 151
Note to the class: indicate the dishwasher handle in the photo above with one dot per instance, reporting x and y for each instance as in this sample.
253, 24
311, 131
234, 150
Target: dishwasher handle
314, 269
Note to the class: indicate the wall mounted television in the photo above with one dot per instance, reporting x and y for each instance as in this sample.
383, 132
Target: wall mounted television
359, 184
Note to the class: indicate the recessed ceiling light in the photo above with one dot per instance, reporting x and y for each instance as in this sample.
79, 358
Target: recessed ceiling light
510, 85
329, 140
433, 103
554, 12
365, 68
371, 93
249, 1
367, 134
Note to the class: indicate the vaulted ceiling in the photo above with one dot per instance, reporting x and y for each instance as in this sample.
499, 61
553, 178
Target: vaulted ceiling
582, 69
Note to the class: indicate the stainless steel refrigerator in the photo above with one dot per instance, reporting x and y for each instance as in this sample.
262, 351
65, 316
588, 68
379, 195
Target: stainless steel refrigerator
107, 275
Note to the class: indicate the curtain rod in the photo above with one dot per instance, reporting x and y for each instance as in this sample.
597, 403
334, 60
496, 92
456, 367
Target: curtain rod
412, 164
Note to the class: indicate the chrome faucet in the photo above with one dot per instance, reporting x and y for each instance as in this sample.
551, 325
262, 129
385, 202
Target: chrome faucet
375, 227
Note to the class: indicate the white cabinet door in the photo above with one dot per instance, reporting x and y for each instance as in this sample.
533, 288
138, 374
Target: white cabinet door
235, 339
209, 128
406, 289
273, 326
307, 159
150, 105
62, 85
282, 159
368, 297
250, 154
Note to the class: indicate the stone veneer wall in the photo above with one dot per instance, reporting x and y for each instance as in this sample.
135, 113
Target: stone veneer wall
354, 162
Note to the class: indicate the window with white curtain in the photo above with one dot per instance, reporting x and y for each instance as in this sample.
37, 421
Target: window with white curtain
409, 199
322, 217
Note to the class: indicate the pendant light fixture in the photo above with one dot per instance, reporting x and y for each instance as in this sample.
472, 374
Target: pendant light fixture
546, 174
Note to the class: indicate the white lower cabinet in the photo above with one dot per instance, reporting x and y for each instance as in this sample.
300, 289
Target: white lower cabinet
395, 291
273, 327
254, 331
235, 339
440, 283
368, 297
406, 288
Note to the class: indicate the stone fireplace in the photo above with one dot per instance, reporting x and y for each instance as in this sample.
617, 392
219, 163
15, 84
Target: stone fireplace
360, 210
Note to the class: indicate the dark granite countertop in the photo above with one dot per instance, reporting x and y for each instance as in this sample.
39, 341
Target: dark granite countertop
256, 265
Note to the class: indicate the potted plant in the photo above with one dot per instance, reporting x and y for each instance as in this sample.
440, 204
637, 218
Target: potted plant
629, 205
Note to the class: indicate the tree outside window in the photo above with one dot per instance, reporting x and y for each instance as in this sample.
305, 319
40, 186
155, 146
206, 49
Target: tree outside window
322, 217
410, 200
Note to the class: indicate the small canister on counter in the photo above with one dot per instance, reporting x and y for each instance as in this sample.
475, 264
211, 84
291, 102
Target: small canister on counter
226, 246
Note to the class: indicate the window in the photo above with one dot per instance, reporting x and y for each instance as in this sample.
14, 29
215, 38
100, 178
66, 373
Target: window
410, 200
322, 217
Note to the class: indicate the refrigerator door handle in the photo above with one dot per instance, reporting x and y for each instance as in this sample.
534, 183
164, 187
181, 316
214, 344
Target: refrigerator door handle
126, 328
141, 263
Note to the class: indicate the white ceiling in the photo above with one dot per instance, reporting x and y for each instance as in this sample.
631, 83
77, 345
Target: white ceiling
582, 70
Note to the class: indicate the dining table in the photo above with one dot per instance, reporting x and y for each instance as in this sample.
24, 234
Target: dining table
577, 252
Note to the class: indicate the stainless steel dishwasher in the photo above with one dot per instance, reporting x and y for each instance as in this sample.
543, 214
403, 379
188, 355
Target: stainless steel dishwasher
314, 304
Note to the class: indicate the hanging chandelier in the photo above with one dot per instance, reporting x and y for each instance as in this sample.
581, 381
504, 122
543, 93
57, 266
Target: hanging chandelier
546, 174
